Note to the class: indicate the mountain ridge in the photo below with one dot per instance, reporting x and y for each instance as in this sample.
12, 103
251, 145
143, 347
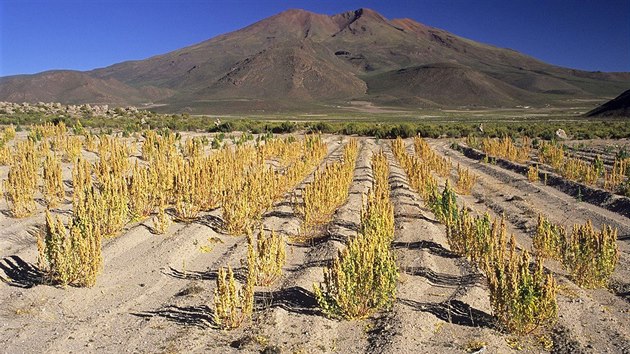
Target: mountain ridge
304, 57
617, 107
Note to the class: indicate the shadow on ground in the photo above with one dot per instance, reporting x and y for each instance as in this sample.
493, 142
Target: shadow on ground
240, 274
442, 278
195, 316
454, 311
294, 299
432, 247
19, 273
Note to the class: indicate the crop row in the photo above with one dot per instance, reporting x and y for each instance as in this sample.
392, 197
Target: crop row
591, 172
361, 280
523, 297
112, 192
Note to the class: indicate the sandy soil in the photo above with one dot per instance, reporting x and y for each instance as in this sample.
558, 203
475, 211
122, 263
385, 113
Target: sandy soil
597, 320
155, 293
369, 107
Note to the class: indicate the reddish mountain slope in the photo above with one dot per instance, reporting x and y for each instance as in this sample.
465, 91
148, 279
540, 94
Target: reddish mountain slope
299, 57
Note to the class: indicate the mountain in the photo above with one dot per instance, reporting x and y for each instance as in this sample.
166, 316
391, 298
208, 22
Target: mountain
299, 59
617, 107
74, 87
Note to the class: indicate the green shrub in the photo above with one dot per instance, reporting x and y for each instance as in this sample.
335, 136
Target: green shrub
360, 281
549, 238
523, 299
590, 256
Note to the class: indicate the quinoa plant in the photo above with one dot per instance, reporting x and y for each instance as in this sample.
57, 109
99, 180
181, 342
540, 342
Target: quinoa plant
590, 256
522, 299
549, 238
233, 306
362, 278
266, 255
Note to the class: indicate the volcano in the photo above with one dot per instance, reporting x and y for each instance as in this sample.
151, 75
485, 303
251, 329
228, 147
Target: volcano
299, 58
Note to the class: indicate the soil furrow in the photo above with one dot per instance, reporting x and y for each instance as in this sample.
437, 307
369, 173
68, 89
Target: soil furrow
577, 307
290, 316
441, 304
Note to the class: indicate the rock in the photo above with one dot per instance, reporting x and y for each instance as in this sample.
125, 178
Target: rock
561, 134
272, 350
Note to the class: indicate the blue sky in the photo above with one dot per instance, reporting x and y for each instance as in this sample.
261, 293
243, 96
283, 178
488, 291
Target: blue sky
82, 35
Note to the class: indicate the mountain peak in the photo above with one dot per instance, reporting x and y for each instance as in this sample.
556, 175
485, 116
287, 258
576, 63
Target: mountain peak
310, 57
295, 12
364, 11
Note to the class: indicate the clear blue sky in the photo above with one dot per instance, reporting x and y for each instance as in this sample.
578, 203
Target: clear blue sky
82, 35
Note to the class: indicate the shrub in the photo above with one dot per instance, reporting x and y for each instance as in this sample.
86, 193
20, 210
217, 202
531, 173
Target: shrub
362, 278
187, 193
71, 146
252, 189
141, 192
266, 255
523, 299
161, 221
404, 131
552, 154
116, 198
444, 205
418, 173
506, 149
360, 281
285, 127
549, 238
327, 191
436, 163
467, 234
9, 133
614, 180
465, 180
590, 256
377, 213
533, 174
233, 306
73, 257
5, 155
53, 184
20, 187
322, 127
90, 142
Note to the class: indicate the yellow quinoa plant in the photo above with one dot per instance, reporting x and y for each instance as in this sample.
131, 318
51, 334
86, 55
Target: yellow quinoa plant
549, 238
53, 184
465, 180
73, 256
266, 255
533, 174
233, 305
327, 191
590, 256
362, 278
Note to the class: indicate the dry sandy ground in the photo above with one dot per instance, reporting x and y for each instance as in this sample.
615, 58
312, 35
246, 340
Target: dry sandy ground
155, 292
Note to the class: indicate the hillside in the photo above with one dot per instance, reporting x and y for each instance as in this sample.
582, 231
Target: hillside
617, 107
299, 58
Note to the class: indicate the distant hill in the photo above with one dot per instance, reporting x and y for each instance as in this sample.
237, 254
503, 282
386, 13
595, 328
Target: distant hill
299, 58
617, 107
